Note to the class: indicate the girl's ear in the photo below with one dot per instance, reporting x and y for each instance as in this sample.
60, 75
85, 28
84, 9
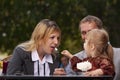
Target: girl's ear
92, 46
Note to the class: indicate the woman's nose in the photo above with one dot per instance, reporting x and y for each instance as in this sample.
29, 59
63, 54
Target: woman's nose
56, 41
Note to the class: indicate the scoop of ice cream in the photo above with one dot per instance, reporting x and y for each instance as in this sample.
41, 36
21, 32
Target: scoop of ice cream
84, 66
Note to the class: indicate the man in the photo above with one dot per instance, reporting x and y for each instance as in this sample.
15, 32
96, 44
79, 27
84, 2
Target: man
86, 24
91, 22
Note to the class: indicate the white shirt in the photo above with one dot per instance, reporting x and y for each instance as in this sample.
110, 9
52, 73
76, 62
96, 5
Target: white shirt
39, 69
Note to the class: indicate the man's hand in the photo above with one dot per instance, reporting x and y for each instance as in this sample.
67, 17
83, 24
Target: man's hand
59, 71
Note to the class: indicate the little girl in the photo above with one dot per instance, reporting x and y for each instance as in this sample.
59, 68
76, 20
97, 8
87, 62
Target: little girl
99, 52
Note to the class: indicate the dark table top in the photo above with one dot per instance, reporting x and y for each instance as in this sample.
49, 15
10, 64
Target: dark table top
54, 77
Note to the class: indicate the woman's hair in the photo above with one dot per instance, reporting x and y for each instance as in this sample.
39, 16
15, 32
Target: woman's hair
92, 19
100, 38
40, 34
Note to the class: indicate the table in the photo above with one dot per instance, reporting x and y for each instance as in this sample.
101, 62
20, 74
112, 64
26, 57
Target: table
53, 77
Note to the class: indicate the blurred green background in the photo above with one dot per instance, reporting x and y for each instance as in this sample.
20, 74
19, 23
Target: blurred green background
19, 17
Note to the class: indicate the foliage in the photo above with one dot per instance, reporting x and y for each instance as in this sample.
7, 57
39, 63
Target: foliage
19, 17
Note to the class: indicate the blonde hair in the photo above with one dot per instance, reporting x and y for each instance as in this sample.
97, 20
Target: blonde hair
40, 34
100, 38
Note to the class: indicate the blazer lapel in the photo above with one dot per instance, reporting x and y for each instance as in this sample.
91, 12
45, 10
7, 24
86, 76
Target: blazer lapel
51, 68
30, 68
29, 65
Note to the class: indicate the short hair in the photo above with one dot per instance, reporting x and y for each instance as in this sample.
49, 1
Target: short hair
91, 19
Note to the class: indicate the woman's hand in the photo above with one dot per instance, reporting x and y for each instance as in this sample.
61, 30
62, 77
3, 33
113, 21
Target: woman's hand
59, 71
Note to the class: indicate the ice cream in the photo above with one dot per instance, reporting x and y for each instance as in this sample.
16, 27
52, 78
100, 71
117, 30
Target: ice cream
84, 66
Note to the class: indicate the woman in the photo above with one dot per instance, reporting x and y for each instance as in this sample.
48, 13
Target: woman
37, 56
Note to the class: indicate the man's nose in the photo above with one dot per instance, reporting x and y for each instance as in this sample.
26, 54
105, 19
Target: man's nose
85, 36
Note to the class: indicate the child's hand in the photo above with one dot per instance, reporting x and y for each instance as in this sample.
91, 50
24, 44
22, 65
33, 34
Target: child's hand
67, 53
97, 72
